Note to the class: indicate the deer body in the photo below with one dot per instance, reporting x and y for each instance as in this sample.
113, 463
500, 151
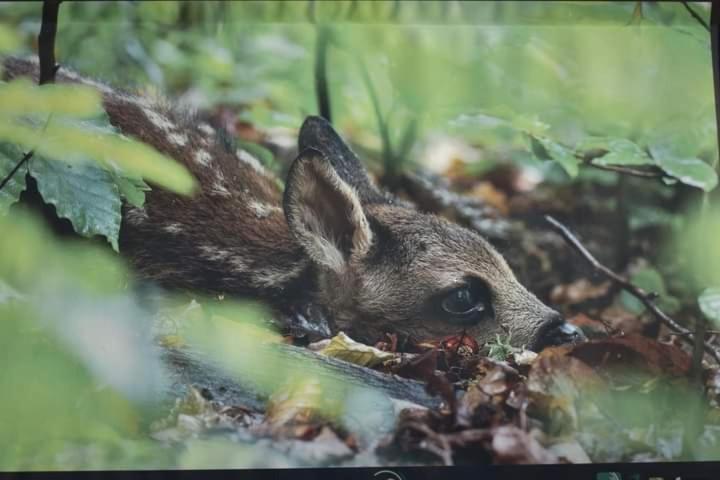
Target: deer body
375, 265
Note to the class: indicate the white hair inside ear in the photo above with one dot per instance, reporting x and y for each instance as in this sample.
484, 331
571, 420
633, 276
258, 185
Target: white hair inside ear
324, 213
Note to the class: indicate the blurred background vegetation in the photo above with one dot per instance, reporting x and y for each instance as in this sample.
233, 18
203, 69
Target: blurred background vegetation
537, 84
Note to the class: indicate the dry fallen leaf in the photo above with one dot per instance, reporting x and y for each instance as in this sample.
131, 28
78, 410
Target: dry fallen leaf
345, 348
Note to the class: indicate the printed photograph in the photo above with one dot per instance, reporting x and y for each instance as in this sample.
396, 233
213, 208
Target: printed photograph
290, 234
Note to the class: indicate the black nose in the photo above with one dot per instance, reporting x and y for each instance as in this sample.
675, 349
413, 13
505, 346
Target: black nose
556, 331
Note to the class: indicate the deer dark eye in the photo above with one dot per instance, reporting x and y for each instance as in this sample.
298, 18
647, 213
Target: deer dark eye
459, 301
467, 304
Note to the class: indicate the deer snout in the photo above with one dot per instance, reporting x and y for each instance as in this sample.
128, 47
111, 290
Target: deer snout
556, 331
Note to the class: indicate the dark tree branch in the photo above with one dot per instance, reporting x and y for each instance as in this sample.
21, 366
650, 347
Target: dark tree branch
321, 83
48, 67
46, 41
696, 16
646, 298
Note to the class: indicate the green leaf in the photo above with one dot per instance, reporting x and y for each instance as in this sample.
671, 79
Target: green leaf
546, 149
623, 152
651, 281
83, 193
10, 155
79, 141
688, 170
9, 41
132, 189
21, 97
529, 124
709, 301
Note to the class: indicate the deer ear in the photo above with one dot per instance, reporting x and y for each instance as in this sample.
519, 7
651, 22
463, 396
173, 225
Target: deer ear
324, 212
317, 133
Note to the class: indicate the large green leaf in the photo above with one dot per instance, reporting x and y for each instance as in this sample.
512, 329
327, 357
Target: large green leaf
10, 155
83, 193
688, 170
709, 301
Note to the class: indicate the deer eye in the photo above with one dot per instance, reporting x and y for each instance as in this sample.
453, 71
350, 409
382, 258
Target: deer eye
459, 301
468, 303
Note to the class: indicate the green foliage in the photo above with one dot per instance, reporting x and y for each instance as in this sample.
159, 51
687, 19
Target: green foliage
20, 97
620, 152
545, 149
84, 194
690, 171
97, 165
709, 302
71, 337
501, 348
650, 280
699, 249
635, 82
8, 40
9, 156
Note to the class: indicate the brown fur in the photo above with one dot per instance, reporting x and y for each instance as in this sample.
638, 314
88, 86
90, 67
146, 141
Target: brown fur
374, 265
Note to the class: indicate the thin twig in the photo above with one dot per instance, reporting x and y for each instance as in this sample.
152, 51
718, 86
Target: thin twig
645, 298
24, 159
636, 172
696, 16
588, 157
707, 333
48, 67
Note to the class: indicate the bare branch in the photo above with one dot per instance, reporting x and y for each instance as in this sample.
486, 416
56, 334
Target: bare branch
590, 155
46, 41
645, 298
22, 162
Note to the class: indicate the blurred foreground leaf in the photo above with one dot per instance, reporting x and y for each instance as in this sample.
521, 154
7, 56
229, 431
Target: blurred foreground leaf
709, 302
10, 155
8, 40
80, 371
22, 97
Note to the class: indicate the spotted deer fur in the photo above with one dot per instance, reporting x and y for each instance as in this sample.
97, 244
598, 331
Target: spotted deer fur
333, 238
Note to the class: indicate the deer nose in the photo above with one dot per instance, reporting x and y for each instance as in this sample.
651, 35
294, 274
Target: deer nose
556, 331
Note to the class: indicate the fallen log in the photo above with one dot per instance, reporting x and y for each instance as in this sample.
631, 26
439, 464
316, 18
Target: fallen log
188, 367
